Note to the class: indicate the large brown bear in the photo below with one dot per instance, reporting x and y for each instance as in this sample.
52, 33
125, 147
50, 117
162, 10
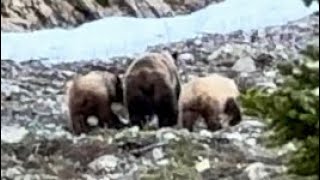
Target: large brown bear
212, 97
152, 87
89, 98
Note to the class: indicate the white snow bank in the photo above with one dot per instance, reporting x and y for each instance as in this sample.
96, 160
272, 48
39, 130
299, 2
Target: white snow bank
115, 36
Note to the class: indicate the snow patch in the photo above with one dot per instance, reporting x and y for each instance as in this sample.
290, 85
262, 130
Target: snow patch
115, 36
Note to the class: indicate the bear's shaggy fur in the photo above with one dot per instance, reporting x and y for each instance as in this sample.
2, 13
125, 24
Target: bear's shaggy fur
152, 87
89, 97
212, 97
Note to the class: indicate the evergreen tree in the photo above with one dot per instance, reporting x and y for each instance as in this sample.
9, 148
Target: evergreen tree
309, 2
292, 111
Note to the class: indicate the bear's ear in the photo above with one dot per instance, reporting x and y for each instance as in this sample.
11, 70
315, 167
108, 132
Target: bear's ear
175, 55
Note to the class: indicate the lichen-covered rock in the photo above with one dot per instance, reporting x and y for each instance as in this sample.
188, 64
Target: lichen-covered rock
13, 134
107, 163
261, 171
246, 65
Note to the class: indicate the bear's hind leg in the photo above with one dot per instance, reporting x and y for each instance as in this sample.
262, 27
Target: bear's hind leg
167, 110
79, 124
137, 112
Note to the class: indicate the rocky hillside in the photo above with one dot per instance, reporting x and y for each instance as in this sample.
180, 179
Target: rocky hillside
19, 15
36, 143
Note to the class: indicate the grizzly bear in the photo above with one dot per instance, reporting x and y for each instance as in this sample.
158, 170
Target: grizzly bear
89, 98
213, 98
152, 88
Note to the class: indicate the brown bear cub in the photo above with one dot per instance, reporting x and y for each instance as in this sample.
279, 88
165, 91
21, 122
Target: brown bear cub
152, 87
213, 98
89, 97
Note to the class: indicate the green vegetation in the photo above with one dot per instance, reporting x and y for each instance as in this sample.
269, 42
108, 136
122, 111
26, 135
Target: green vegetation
309, 2
292, 111
183, 155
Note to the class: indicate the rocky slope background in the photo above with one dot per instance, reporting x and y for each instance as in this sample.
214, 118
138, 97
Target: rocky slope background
36, 143
21, 15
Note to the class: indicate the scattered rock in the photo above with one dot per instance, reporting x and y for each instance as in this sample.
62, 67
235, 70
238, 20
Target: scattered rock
264, 60
206, 133
245, 65
261, 171
163, 162
107, 163
13, 134
203, 165
92, 121
186, 58
157, 154
13, 172
130, 132
166, 135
